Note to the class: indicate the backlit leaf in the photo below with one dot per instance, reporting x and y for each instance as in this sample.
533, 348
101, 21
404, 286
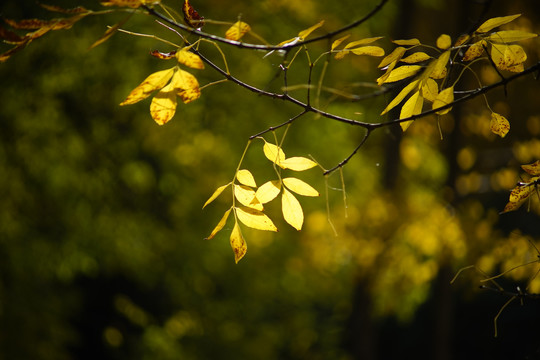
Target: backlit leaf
273, 153
300, 187
416, 58
508, 36
163, 105
403, 72
395, 55
246, 178
268, 191
413, 106
220, 225
186, 85
246, 196
439, 69
495, 22
187, 58
298, 163
402, 94
292, 210
532, 169
444, 98
475, 50
238, 244
237, 31
407, 42
362, 42
216, 193
305, 33
152, 83
429, 89
514, 54
499, 125
444, 42
368, 50
255, 219
338, 42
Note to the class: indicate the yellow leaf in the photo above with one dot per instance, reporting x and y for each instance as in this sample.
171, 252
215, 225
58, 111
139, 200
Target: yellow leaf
444, 42
407, 42
462, 40
216, 193
305, 33
273, 153
429, 89
403, 72
163, 105
255, 219
499, 125
532, 169
402, 94
368, 50
220, 225
341, 54
514, 55
186, 85
439, 70
246, 178
413, 106
508, 36
508, 57
362, 42
416, 58
395, 55
495, 22
338, 42
237, 31
152, 83
238, 243
292, 210
297, 163
444, 98
475, 50
520, 193
186, 57
300, 187
110, 32
268, 191
246, 196
124, 3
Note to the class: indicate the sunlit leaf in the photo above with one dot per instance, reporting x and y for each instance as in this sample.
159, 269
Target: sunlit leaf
273, 153
75, 10
395, 55
532, 169
246, 196
305, 33
399, 98
368, 50
444, 98
403, 72
407, 42
439, 69
495, 22
514, 54
152, 83
413, 106
297, 163
245, 177
444, 42
237, 31
365, 41
475, 50
508, 57
216, 193
416, 58
186, 85
255, 219
292, 210
508, 36
517, 197
338, 42
163, 105
187, 58
499, 125
268, 191
300, 187
220, 225
238, 243
191, 16
110, 32
429, 89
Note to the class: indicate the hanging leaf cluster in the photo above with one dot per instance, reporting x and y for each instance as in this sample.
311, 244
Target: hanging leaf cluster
524, 189
249, 199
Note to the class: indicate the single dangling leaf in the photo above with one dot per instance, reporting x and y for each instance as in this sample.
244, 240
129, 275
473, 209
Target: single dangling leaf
238, 243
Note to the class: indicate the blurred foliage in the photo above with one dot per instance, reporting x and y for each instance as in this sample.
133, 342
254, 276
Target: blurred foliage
101, 227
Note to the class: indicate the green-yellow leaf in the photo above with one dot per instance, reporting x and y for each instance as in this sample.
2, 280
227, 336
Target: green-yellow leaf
152, 83
238, 243
237, 31
187, 58
292, 210
444, 98
499, 125
216, 193
407, 42
402, 72
273, 153
362, 42
444, 42
338, 42
368, 50
246, 178
300, 187
475, 50
429, 89
416, 58
495, 22
305, 33
220, 225
399, 98
394, 56
298, 163
268, 191
163, 105
413, 106
255, 219
246, 196
508, 36
532, 169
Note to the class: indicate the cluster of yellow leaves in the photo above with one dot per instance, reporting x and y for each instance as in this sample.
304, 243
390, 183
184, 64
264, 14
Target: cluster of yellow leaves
171, 83
251, 199
524, 190
358, 47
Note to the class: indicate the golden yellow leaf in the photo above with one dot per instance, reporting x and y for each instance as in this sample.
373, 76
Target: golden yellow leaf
399, 98
407, 42
532, 169
439, 69
444, 98
368, 50
238, 243
163, 105
152, 83
495, 22
429, 89
413, 106
255, 219
402, 72
273, 153
305, 33
416, 58
475, 50
220, 225
362, 42
292, 210
186, 85
268, 191
514, 55
462, 40
508, 36
444, 42
246, 196
216, 193
499, 125
300, 187
187, 58
341, 54
338, 42
237, 31
298, 163
246, 178
394, 56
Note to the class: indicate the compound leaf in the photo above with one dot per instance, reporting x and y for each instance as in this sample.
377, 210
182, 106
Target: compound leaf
399, 98
246, 196
444, 42
507, 36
